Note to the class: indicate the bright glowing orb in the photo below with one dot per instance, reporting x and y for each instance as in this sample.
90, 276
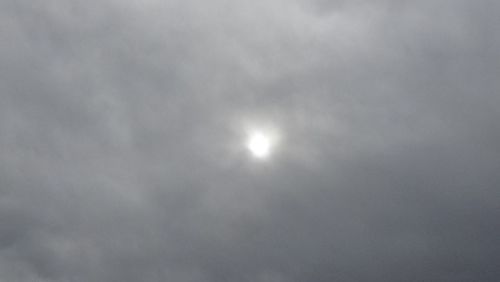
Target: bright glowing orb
259, 145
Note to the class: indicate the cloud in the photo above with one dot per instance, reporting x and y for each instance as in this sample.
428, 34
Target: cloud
121, 133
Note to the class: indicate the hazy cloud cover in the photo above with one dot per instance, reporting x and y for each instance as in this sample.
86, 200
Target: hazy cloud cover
121, 140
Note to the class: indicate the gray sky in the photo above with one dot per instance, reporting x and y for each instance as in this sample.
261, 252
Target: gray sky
122, 140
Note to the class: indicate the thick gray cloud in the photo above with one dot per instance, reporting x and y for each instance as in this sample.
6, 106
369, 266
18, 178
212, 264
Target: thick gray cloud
121, 128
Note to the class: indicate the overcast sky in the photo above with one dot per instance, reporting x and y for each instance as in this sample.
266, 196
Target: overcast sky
122, 140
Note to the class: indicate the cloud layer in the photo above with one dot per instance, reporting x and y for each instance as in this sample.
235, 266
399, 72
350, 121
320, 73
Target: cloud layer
121, 129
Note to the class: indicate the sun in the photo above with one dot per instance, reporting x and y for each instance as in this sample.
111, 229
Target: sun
259, 145
260, 139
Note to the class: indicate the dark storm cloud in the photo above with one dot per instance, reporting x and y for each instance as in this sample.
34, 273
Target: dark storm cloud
121, 126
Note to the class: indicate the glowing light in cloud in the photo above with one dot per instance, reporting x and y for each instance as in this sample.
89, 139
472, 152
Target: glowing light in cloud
259, 145
262, 141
